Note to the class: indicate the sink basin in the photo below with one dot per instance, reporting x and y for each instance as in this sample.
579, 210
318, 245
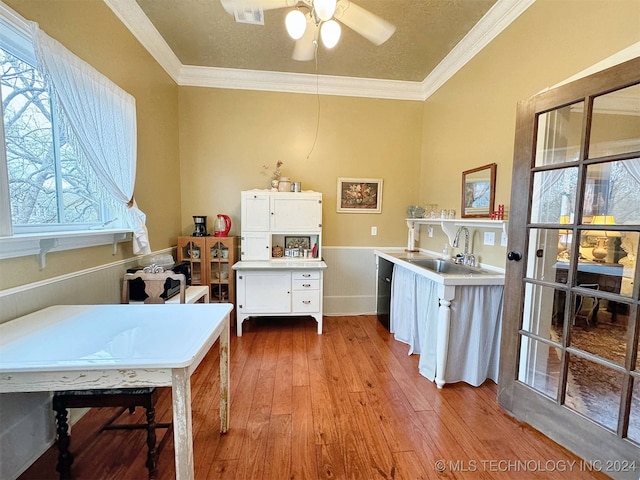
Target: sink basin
442, 266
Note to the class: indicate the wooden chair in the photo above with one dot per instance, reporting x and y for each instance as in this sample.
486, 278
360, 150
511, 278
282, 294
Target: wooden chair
154, 285
587, 306
125, 398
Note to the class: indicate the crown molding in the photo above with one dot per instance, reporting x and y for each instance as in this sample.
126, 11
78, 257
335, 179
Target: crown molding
499, 17
494, 21
239, 79
132, 16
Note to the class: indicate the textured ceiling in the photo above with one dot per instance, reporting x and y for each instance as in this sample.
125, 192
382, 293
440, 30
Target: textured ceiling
201, 33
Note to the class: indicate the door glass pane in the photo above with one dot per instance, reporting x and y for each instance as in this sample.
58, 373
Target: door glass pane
612, 190
540, 366
596, 333
543, 308
559, 134
548, 255
605, 261
615, 124
594, 391
554, 194
634, 418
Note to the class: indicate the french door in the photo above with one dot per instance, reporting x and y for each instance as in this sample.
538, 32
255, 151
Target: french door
569, 362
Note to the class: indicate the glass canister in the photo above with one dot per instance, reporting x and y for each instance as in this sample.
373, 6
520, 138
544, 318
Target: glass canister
284, 185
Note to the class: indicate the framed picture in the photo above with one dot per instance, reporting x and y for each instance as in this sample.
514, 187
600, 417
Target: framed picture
478, 191
359, 195
297, 242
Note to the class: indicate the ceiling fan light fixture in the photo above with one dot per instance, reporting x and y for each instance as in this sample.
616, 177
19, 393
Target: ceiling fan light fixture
324, 9
296, 24
330, 33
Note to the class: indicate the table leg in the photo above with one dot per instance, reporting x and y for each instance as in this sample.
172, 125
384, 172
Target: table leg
224, 376
446, 294
182, 427
442, 349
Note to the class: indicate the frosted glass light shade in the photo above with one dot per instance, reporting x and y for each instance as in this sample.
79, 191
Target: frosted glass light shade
296, 24
325, 9
330, 33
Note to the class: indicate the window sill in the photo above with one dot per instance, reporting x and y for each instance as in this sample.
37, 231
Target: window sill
42, 243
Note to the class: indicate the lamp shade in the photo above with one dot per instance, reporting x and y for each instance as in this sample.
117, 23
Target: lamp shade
602, 220
325, 9
296, 24
330, 33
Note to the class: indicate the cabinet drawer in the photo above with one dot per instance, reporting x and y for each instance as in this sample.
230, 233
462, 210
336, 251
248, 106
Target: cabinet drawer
306, 301
303, 275
305, 284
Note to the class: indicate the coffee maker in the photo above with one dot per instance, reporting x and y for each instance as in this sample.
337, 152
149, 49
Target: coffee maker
200, 222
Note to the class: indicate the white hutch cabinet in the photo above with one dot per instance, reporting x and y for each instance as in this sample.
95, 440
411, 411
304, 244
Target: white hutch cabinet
281, 267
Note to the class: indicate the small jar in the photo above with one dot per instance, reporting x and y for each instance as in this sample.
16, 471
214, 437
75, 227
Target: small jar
284, 185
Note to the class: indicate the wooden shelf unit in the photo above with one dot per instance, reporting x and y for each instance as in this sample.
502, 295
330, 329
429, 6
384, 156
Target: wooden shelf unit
211, 266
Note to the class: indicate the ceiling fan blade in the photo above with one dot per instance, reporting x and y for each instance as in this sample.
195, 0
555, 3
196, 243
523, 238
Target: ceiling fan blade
305, 48
231, 5
367, 24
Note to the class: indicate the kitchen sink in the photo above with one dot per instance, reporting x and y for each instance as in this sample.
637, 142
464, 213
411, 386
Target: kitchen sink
445, 267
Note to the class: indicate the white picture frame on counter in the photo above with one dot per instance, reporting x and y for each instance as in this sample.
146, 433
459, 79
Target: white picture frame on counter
359, 195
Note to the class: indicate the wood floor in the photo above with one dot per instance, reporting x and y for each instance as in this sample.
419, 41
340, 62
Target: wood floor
346, 404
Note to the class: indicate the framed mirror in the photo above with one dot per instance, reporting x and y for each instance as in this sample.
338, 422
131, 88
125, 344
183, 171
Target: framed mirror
479, 191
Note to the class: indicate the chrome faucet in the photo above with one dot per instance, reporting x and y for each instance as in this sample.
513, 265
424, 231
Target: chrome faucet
467, 258
456, 240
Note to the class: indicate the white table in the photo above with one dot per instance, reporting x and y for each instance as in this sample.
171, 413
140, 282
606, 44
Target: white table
108, 346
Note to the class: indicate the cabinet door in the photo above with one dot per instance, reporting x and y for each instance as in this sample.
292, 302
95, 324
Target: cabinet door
255, 212
255, 246
193, 250
295, 212
264, 292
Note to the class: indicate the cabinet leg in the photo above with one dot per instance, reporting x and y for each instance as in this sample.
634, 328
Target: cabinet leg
239, 320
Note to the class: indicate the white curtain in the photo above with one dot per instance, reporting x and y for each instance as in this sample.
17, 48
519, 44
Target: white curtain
427, 309
414, 310
474, 335
633, 168
103, 119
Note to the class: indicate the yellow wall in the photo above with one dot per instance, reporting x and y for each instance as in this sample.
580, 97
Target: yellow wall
470, 121
90, 30
226, 136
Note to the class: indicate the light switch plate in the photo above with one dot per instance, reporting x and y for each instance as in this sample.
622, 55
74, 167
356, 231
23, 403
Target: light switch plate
489, 238
374, 230
503, 239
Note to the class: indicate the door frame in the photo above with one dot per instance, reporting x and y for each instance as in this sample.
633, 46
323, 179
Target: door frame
584, 437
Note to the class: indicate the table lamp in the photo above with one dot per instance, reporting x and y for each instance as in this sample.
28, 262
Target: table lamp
601, 249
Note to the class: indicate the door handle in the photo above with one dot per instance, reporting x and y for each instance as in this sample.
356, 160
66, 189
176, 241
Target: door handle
514, 256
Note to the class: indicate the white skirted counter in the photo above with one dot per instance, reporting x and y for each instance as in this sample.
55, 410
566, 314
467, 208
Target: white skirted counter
453, 321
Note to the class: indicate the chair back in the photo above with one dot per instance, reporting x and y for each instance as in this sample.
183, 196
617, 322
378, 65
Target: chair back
154, 285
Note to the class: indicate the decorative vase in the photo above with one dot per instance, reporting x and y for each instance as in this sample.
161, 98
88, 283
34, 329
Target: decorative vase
274, 184
600, 251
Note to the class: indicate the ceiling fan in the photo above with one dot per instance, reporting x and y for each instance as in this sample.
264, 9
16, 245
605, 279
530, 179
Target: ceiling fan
312, 19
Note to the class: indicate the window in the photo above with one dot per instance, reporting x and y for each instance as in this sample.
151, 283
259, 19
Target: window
61, 190
50, 187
